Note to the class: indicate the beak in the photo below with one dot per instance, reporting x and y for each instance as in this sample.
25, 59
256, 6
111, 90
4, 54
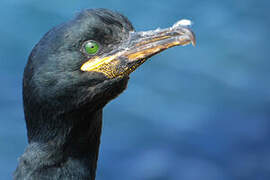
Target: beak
138, 48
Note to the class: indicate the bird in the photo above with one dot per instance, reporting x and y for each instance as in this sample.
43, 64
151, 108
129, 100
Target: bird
71, 74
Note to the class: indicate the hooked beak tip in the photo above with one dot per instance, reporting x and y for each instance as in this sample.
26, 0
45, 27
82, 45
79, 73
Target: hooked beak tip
191, 36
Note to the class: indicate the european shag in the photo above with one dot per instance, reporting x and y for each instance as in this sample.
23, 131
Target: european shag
71, 74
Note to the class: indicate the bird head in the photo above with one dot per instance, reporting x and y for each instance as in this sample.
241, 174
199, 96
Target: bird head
86, 61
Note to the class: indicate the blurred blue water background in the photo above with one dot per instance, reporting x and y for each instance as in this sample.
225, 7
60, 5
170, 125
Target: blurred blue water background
189, 113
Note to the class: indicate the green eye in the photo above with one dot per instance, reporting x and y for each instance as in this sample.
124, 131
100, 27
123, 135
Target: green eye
91, 47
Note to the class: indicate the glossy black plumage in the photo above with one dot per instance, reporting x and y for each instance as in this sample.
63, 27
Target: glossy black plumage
63, 106
65, 89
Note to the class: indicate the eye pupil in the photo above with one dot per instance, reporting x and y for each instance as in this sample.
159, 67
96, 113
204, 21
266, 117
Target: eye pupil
91, 47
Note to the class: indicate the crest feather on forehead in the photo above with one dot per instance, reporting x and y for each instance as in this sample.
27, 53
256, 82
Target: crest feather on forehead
108, 17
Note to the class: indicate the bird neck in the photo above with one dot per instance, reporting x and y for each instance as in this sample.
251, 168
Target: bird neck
70, 151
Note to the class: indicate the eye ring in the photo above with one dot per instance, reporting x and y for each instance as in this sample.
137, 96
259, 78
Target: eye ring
90, 47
